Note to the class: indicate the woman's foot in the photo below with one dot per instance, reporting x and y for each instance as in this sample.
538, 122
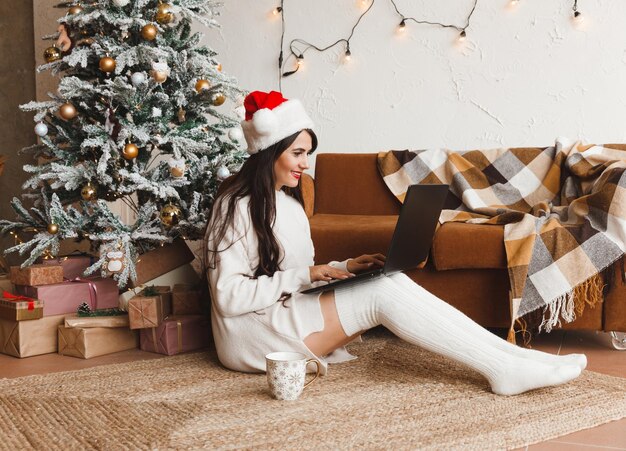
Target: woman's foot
525, 375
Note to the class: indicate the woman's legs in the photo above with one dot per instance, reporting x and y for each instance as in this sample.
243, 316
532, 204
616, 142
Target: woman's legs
422, 295
333, 335
382, 301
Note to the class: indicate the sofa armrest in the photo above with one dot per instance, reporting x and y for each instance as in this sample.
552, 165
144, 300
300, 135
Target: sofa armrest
307, 185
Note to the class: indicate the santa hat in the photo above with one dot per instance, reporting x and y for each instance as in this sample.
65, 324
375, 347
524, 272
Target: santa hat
270, 118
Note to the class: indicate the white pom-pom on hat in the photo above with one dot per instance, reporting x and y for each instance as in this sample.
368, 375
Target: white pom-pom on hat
265, 122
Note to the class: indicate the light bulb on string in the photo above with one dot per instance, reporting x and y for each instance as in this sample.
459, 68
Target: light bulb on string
462, 36
348, 55
402, 26
299, 60
277, 10
578, 16
514, 2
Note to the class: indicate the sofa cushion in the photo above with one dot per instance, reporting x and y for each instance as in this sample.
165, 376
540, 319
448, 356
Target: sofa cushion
338, 237
460, 245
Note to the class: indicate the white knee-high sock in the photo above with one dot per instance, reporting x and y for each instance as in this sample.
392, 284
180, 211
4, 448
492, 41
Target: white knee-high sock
382, 301
425, 296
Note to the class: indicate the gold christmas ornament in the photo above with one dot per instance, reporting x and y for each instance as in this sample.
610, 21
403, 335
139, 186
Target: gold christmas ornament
88, 192
130, 151
67, 111
219, 99
75, 9
53, 229
164, 13
219, 67
107, 64
202, 84
159, 76
52, 54
149, 32
170, 215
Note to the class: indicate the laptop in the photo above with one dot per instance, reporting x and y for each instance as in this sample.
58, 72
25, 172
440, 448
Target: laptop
411, 239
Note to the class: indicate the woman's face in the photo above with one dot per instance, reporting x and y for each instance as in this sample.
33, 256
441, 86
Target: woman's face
289, 166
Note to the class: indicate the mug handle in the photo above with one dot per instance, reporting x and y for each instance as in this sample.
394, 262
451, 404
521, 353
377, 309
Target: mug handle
317, 371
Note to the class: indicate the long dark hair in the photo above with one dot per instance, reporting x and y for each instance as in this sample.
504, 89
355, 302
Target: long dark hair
256, 179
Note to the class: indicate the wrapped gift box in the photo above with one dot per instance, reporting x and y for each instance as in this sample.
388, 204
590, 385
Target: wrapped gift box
183, 274
19, 308
186, 300
161, 261
88, 342
146, 310
176, 335
37, 275
28, 338
65, 297
96, 321
73, 265
5, 283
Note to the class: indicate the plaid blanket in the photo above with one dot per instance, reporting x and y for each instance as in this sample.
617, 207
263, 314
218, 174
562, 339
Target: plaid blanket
563, 209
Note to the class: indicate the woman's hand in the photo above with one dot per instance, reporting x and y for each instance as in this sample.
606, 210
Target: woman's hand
365, 262
327, 273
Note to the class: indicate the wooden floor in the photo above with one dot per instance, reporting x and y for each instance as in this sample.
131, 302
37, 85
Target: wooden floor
602, 358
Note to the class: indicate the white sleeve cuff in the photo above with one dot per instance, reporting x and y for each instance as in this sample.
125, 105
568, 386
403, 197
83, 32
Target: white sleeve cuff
340, 265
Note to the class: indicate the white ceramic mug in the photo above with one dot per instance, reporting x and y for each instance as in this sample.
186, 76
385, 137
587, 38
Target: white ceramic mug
286, 372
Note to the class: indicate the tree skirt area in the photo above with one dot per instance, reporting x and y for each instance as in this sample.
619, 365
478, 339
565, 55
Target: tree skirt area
394, 395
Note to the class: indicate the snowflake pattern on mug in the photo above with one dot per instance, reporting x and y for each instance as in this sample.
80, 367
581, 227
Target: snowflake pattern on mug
286, 377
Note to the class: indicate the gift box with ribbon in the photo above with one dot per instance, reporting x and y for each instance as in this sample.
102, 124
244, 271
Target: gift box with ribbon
73, 265
28, 338
176, 335
150, 307
161, 260
65, 297
88, 342
19, 308
186, 300
37, 275
96, 321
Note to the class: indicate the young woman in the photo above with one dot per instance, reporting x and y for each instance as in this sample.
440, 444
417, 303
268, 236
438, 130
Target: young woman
261, 256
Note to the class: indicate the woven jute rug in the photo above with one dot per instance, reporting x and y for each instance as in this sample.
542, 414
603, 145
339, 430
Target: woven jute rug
393, 396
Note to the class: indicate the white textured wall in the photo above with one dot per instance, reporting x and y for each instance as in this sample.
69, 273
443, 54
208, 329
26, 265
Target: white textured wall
524, 76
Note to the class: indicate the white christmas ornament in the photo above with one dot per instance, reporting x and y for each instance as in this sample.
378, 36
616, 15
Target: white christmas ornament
41, 129
223, 172
235, 134
121, 3
138, 78
115, 262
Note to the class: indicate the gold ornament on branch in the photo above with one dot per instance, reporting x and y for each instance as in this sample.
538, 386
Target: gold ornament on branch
107, 64
218, 99
164, 13
202, 84
53, 229
67, 111
88, 192
52, 54
130, 151
170, 215
75, 9
149, 32
159, 76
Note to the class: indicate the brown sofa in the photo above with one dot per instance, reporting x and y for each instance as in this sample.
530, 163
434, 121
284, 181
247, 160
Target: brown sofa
352, 212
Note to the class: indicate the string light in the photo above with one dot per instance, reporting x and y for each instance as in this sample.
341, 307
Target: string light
277, 10
298, 47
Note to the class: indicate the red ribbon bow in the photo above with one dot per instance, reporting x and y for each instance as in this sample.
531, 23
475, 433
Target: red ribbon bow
13, 298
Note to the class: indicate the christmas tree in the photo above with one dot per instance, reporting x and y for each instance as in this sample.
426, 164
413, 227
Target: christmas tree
138, 119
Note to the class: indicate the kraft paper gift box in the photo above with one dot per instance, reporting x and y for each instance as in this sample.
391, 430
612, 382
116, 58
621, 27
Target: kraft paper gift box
65, 297
183, 274
37, 275
176, 335
28, 338
145, 310
5, 283
161, 260
97, 321
86, 343
186, 300
73, 265
19, 308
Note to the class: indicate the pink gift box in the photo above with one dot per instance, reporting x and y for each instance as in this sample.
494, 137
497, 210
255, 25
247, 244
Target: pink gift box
65, 297
176, 335
73, 265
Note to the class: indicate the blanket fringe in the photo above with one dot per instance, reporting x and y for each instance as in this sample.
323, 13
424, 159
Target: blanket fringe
572, 304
